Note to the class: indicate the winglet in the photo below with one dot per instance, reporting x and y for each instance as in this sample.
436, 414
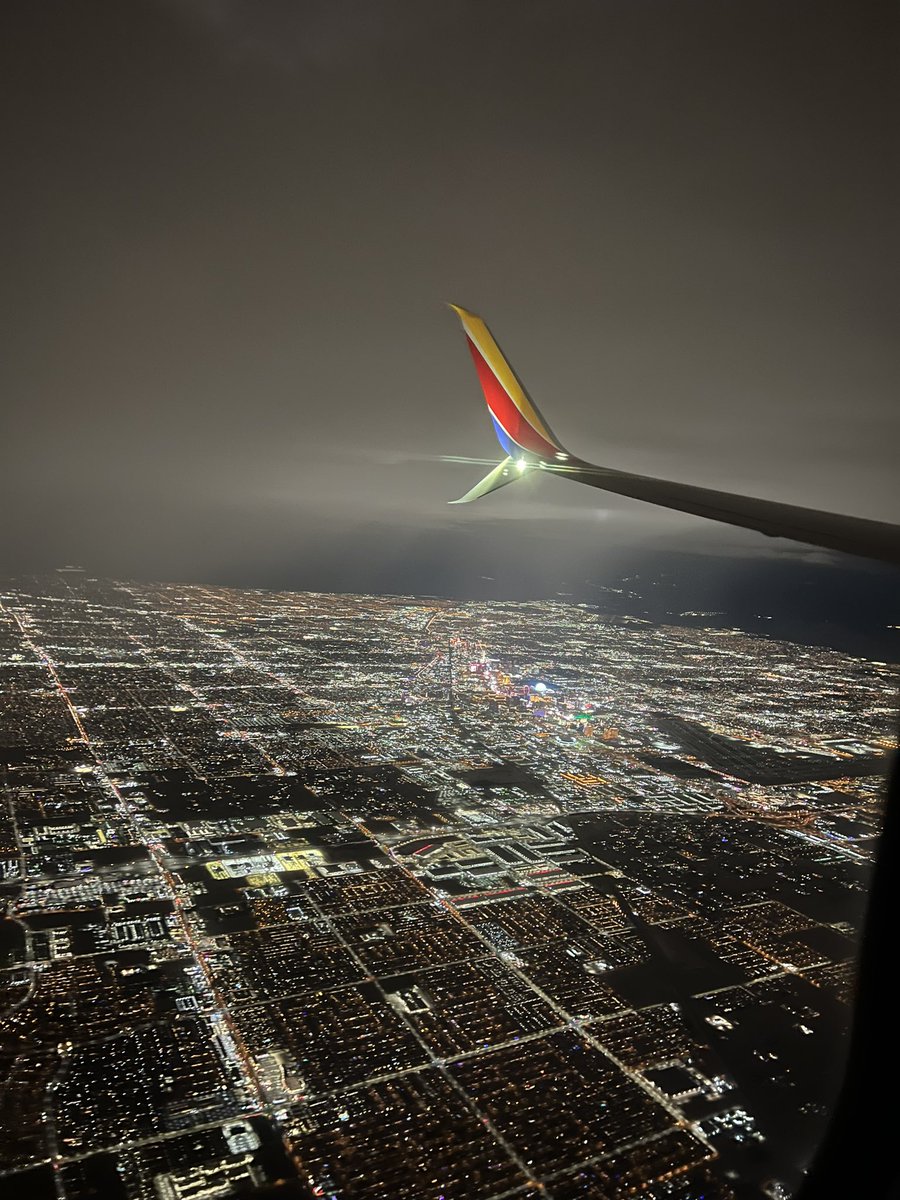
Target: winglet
502, 474
519, 425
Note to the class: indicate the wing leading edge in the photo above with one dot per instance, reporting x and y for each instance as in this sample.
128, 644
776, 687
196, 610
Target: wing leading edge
529, 444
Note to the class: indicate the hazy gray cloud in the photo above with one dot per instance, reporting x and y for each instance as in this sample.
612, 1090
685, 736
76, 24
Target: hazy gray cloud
232, 227
319, 33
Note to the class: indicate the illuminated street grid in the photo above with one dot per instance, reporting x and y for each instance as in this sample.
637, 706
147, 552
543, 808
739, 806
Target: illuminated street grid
391, 898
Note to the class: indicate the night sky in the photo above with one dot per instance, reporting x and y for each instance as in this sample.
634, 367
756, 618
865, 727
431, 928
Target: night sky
231, 229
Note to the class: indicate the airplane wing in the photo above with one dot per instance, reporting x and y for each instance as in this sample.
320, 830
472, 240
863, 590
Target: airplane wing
530, 445
831, 531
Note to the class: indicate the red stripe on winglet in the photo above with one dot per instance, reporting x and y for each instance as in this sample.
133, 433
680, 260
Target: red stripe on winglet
505, 411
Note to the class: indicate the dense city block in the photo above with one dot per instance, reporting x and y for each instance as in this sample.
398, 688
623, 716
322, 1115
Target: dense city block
384, 897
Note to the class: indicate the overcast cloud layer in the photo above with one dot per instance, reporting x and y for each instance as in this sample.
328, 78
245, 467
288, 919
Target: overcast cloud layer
232, 228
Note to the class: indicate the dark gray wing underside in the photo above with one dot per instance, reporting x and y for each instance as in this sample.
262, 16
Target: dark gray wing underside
831, 531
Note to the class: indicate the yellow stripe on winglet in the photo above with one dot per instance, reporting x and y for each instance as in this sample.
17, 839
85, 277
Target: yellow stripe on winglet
493, 356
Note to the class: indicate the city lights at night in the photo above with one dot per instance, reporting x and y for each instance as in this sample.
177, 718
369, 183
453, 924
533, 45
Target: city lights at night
290, 904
